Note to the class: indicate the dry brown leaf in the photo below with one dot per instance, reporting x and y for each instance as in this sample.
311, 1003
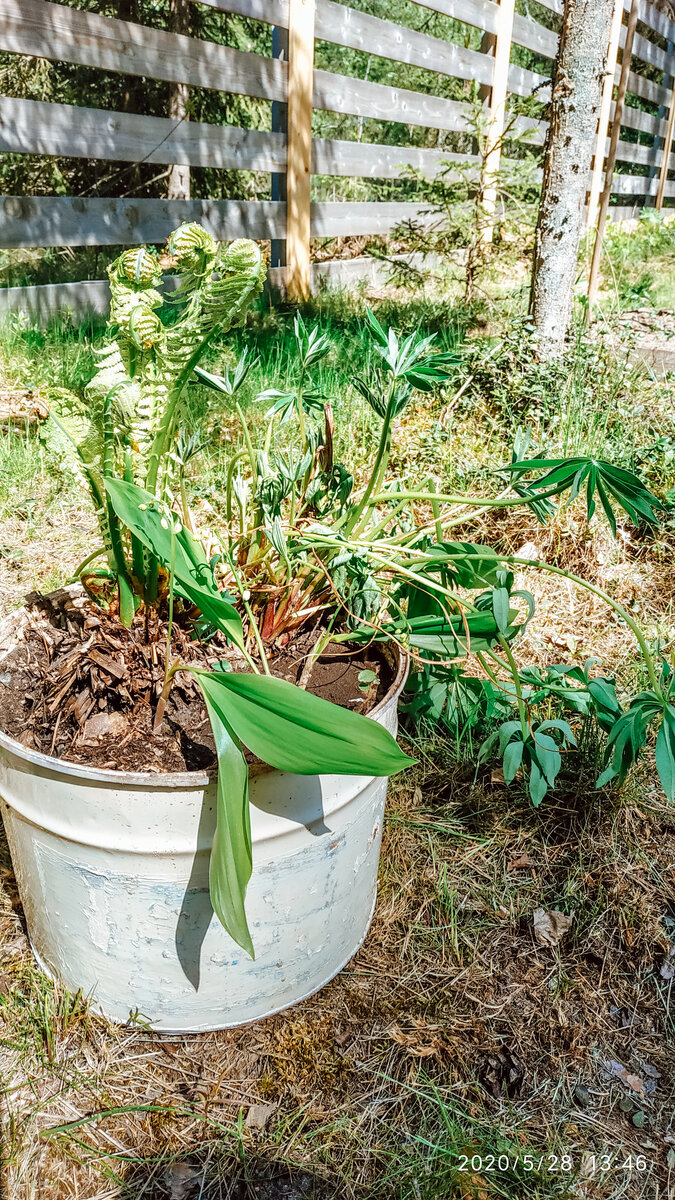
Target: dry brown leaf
521, 863
617, 1071
549, 927
259, 1114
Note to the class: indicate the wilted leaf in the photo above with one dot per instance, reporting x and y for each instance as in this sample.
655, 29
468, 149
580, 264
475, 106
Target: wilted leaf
550, 927
258, 1115
616, 1070
521, 864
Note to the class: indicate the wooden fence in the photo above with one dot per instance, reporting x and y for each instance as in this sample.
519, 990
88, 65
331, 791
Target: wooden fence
55, 32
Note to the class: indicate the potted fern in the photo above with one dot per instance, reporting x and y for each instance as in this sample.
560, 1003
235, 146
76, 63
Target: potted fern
134, 880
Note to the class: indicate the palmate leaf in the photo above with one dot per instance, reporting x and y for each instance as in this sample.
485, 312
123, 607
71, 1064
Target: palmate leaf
289, 729
598, 479
628, 736
538, 753
150, 521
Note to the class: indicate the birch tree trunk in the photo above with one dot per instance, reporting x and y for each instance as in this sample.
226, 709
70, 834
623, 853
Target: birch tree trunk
178, 183
575, 104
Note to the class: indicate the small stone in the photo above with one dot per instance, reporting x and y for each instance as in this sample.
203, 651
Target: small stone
640, 1119
582, 1095
626, 1104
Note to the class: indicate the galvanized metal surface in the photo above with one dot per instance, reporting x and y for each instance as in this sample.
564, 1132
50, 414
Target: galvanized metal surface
112, 869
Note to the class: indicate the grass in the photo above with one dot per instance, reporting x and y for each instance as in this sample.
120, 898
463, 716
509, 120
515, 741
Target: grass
455, 1057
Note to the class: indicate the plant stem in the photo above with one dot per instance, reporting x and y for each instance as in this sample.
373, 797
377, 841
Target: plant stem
596, 591
522, 707
381, 458
249, 446
90, 558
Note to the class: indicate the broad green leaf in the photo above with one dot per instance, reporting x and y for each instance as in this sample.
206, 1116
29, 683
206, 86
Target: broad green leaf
547, 756
231, 855
149, 521
506, 732
561, 726
501, 609
513, 757
295, 731
536, 784
665, 752
470, 565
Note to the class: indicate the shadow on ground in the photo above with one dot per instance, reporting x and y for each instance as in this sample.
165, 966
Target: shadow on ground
257, 1178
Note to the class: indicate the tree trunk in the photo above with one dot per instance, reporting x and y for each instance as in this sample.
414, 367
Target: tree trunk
178, 182
570, 143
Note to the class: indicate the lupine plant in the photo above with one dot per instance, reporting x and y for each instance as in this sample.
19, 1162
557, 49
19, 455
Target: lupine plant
306, 547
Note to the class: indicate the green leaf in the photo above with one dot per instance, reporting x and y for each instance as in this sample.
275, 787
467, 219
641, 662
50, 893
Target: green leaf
547, 756
513, 757
295, 731
562, 727
609, 481
231, 861
536, 783
149, 521
501, 608
665, 752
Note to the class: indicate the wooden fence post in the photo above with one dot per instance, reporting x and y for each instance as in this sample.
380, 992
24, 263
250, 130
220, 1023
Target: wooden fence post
279, 125
298, 169
605, 112
667, 148
497, 115
594, 276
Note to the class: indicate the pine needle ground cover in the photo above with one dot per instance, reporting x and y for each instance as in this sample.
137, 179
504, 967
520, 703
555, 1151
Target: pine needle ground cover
507, 1028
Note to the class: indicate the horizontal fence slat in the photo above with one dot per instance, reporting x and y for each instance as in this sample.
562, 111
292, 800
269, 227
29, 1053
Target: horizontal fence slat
639, 185
91, 297
369, 160
343, 26
646, 89
272, 12
52, 31
356, 218
39, 127
660, 22
635, 118
361, 98
66, 221
634, 152
647, 51
63, 221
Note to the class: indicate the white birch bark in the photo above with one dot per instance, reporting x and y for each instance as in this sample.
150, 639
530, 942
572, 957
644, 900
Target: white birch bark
575, 104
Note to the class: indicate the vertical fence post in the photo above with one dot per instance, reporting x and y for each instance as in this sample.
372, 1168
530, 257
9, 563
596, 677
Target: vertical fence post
605, 112
594, 276
279, 125
667, 148
666, 82
298, 168
497, 114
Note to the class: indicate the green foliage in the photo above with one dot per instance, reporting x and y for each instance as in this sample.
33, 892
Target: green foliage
597, 478
532, 750
127, 426
293, 731
460, 229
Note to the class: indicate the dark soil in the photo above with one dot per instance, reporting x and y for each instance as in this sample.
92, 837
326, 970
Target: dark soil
81, 687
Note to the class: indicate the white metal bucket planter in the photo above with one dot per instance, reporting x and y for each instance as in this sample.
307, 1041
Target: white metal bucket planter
112, 870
